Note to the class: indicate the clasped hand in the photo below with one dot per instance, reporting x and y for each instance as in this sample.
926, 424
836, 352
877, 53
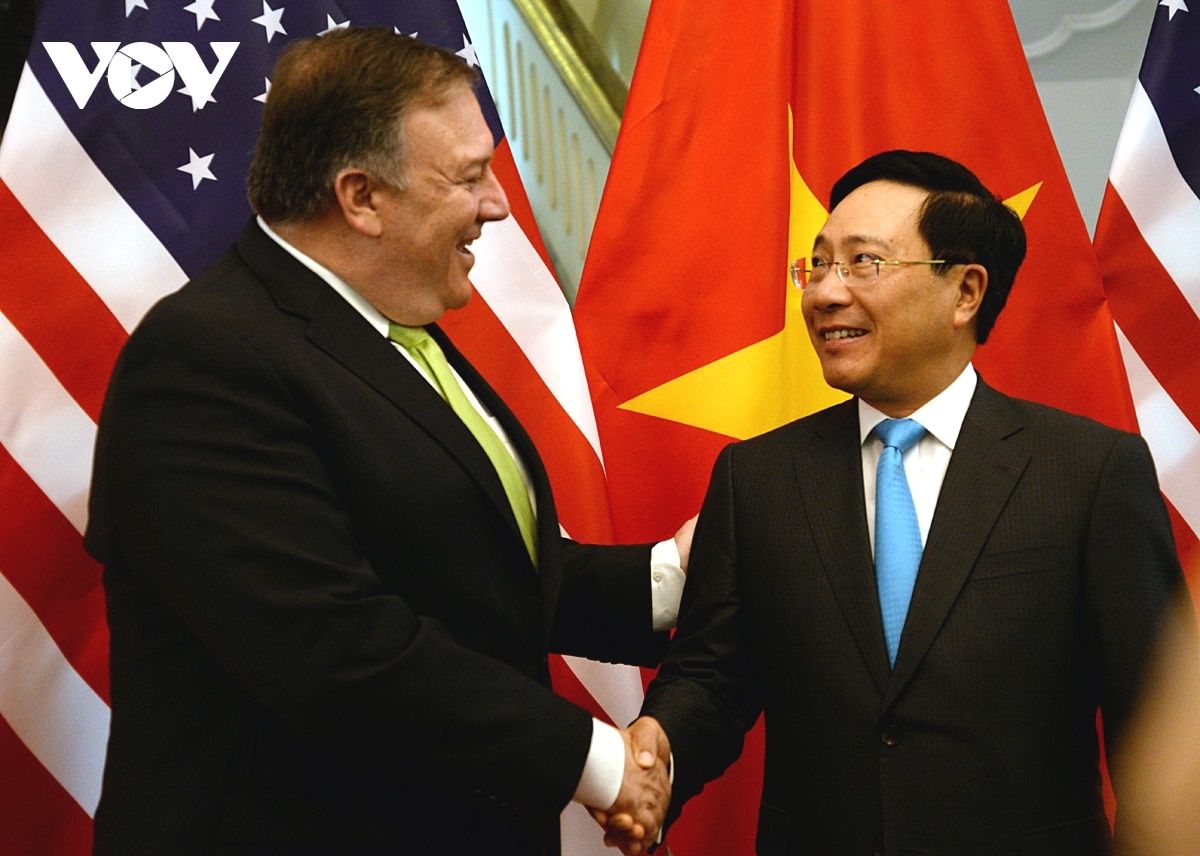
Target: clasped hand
634, 820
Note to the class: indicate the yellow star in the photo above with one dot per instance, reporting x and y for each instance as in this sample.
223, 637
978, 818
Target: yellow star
773, 381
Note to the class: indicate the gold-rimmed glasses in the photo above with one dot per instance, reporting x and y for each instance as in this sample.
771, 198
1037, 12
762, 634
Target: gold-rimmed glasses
863, 269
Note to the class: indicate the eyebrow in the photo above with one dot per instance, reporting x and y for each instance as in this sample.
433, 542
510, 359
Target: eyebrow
854, 240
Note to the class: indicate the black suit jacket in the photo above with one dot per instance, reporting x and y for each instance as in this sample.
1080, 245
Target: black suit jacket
327, 634
1047, 569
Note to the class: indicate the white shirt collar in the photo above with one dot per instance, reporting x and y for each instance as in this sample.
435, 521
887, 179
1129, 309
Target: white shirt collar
942, 415
374, 317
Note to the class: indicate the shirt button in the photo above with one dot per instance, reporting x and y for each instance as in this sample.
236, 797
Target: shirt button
890, 735
657, 576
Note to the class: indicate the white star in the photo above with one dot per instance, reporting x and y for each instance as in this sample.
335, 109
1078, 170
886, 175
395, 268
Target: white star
330, 25
397, 31
1197, 90
270, 20
196, 106
130, 5
203, 10
1174, 6
266, 91
468, 52
197, 167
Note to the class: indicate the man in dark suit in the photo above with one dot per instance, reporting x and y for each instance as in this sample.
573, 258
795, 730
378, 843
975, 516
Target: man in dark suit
947, 704
331, 599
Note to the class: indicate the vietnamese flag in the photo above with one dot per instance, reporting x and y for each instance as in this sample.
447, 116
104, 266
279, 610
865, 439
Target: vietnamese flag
739, 120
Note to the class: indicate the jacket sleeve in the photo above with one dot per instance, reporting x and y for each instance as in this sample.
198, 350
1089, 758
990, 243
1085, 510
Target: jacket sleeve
1135, 588
706, 695
604, 610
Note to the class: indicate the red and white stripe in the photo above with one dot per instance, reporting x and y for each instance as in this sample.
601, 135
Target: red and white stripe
53, 641
1165, 209
1172, 438
1146, 240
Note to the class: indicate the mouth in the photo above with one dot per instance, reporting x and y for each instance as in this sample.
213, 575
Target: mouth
835, 335
464, 250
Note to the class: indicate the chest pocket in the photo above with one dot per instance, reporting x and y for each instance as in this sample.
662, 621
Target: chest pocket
1011, 563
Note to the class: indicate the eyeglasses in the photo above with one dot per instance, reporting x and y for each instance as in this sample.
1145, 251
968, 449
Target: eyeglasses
863, 269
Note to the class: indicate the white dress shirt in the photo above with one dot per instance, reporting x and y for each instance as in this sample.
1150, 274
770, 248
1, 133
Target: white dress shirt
926, 462
605, 766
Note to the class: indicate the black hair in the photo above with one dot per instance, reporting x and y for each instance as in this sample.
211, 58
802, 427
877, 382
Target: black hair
961, 220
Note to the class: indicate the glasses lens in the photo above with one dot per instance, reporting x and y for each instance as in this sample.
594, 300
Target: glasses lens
863, 270
800, 272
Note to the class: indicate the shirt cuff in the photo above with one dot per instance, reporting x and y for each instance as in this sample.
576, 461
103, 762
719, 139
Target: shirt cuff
604, 770
666, 584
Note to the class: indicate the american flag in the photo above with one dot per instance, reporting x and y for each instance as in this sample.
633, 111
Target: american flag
1148, 243
122, 175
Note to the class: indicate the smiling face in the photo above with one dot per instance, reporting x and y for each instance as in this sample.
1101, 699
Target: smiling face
899, 341
427, 226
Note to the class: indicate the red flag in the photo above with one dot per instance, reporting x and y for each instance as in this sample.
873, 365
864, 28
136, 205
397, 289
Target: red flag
738, 122
1146, 243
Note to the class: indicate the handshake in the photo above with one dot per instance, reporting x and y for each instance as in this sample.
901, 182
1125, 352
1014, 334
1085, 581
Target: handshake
635, 820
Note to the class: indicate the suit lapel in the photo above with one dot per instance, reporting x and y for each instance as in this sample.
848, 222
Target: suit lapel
829, 473
983, 471
341, 332
547, 520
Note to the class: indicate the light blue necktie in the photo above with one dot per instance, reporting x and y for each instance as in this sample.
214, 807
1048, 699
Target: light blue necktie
897, 535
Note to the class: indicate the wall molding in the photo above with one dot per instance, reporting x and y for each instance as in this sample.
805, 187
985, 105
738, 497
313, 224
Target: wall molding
1078, 22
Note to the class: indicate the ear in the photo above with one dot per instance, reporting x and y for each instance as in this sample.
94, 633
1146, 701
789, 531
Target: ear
356, 194
971, 289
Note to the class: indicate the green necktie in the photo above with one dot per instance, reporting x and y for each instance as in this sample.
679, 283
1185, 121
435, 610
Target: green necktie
421, 346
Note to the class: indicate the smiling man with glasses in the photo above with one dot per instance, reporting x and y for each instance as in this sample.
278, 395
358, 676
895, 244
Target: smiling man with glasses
930, 589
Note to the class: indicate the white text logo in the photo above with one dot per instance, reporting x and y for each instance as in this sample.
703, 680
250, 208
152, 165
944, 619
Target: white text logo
124, 63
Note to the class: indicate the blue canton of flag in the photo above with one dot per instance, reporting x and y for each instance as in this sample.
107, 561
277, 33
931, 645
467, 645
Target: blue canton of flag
1170, 75
167, 98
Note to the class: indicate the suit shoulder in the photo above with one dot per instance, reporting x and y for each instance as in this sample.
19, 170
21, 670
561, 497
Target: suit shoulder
217, 290
796, 435
226, 303
832, 418
1058, 421
1069, 436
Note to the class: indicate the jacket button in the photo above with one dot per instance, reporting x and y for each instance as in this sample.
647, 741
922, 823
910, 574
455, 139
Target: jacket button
890, 735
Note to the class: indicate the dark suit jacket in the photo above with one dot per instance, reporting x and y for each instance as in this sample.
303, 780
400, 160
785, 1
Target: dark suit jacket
327, 634
1047, 569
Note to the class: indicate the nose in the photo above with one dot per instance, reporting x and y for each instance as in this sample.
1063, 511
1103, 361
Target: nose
831, 292
493, 202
